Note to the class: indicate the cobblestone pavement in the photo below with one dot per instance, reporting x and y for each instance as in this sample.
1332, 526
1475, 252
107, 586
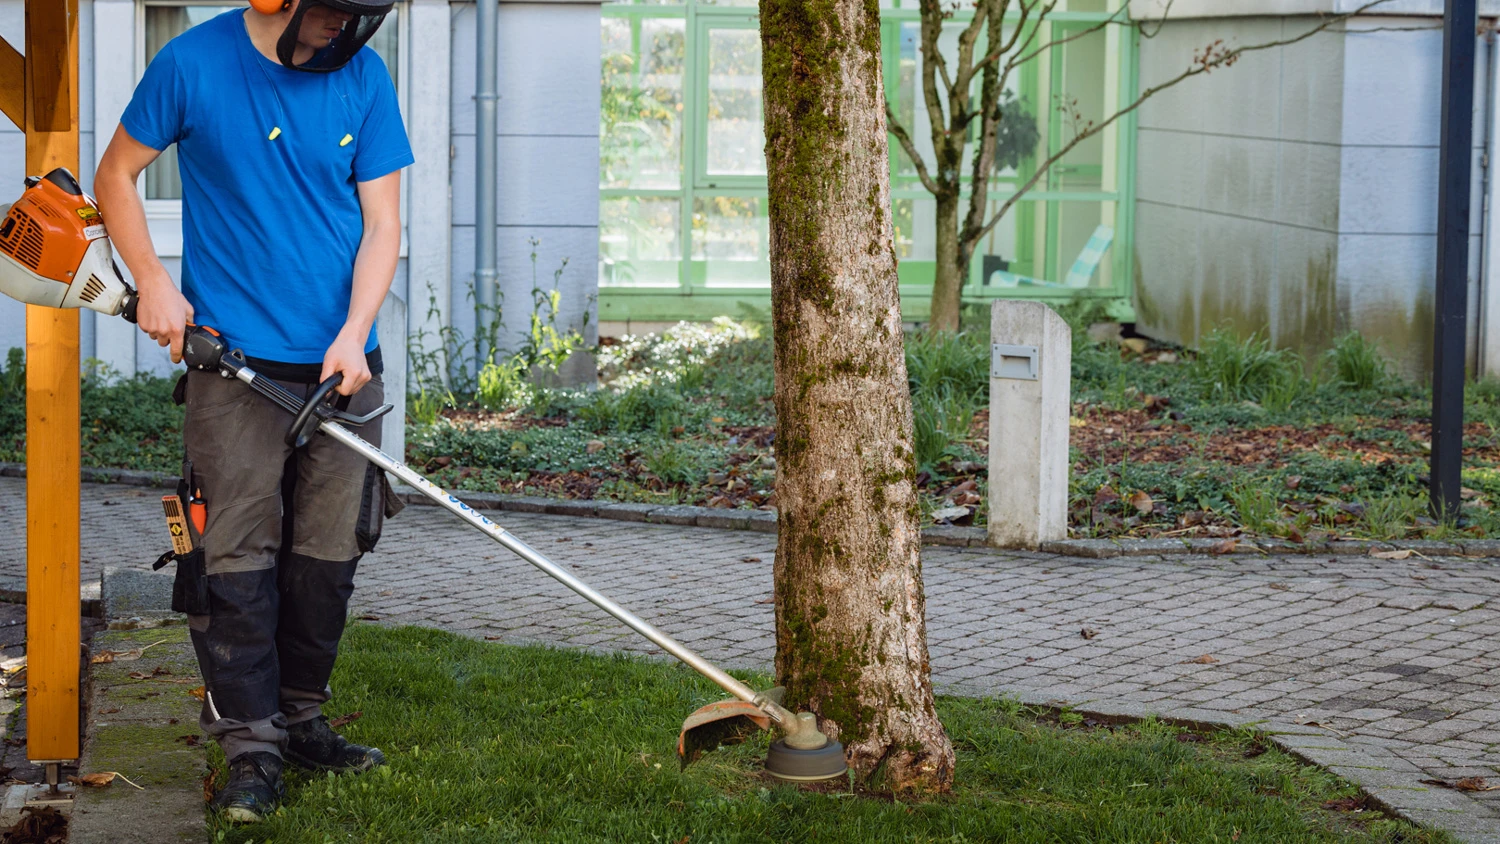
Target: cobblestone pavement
1396, 658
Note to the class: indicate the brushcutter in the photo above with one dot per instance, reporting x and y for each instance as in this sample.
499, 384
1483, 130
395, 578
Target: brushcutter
54, 251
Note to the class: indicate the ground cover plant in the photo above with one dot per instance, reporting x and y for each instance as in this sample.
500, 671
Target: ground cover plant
492, 742
1234, 438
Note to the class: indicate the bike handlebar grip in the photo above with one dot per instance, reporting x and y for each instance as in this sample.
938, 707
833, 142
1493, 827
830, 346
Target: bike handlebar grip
307, 422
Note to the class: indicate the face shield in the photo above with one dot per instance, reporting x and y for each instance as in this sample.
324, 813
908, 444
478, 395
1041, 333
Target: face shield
336, 29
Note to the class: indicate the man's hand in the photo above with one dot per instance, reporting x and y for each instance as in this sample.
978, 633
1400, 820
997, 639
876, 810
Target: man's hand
347, 357
163, 313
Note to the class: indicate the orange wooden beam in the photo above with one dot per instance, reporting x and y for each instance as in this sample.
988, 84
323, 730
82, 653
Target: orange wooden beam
12, 84
53, 658
52, 64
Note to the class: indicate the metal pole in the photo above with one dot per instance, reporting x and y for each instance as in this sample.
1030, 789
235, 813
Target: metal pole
485, 97
1460, 32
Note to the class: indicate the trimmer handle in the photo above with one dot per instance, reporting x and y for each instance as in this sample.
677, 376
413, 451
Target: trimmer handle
309, 419
203, 348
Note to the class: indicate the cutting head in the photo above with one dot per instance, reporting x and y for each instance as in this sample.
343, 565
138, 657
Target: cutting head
54, 250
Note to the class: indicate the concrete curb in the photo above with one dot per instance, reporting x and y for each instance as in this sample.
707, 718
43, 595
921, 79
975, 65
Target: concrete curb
1393, 784
764, 521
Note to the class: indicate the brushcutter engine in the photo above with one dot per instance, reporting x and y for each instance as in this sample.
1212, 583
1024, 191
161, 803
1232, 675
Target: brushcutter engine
54, 250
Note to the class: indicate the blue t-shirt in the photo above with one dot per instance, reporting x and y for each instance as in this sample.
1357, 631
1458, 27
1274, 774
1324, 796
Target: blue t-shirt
270, 227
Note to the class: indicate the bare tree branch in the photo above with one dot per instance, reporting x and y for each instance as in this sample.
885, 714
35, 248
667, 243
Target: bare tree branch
1112, 19
911, 148
1206, 65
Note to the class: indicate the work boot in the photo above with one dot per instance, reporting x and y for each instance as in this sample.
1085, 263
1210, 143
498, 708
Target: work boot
314, 744
254, 789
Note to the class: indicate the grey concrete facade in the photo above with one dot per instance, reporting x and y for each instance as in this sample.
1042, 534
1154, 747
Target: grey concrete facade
548, 173
1295, 193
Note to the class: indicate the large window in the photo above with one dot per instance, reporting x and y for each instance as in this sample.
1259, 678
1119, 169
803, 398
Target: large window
164, 21
683, 228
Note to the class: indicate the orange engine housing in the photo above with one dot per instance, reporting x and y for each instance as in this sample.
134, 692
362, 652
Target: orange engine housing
48, 230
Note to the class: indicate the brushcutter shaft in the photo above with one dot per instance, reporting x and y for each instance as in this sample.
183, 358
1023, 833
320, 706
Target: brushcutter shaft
530, 555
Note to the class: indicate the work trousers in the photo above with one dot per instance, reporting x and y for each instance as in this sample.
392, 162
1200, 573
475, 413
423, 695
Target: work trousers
280, 549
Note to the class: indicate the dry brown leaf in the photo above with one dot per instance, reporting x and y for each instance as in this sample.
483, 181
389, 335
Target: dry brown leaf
1225, 547
344, 719
1206, 659
1346, 804
1465, 784
1390, 555
98, 780
137, 675
749, 559
1281, 587
1293, 481
1088, 633
1142, 502
199, 692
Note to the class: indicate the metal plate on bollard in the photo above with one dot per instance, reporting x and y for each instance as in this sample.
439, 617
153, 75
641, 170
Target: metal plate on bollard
1018, 363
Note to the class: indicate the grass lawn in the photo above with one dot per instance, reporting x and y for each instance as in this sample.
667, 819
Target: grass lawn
498, 743
1232, 438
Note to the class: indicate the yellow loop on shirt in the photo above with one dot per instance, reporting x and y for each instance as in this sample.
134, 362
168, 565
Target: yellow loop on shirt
275, 133
346, 140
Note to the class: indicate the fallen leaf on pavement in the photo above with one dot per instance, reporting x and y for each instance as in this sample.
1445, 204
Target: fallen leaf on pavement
1088, 634
749, 559
1281, 587
1391, 555
1206, 659
98, 780
492, 638
1225, 547
770, 600
1465, 784
344, 719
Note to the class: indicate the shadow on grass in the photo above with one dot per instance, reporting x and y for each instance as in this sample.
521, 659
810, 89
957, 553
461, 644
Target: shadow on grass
499, 743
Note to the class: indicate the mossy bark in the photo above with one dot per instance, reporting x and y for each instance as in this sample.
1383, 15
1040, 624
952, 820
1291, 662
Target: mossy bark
850, 612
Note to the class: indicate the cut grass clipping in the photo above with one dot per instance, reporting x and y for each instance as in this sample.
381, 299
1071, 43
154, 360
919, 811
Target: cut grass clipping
498, 743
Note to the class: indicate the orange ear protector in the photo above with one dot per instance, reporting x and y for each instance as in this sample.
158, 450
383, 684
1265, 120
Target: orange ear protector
270, 7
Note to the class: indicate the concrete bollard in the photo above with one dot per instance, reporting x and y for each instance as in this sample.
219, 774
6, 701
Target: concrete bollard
1031, 360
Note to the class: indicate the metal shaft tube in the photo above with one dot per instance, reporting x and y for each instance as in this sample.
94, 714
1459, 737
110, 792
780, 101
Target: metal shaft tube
530, 555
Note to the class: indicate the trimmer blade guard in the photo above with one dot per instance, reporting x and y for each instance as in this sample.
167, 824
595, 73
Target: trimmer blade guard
720, 723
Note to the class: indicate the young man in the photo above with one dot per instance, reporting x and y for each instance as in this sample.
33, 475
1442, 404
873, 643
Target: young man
289, 145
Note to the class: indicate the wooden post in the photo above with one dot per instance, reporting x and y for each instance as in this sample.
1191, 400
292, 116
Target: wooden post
52, 446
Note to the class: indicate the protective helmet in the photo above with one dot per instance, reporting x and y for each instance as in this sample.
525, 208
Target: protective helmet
367, 17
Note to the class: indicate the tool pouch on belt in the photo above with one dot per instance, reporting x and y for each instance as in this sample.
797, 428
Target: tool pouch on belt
190, 585
377, 503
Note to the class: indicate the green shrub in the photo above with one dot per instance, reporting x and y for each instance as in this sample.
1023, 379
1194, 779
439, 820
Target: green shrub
673, 462
1231, 369
939, 419
957, 364
503, 385
1255, 507
1357, 363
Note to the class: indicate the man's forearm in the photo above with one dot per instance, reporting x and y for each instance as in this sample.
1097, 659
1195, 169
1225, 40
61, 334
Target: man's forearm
374, 267
129, 234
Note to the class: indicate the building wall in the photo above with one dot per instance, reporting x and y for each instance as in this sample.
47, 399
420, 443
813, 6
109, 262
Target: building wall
548, 173
547, 177
1295, 193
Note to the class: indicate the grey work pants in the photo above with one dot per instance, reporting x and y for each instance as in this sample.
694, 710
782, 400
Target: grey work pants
280, 552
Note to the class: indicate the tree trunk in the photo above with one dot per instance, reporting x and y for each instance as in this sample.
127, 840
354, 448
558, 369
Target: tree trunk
951, 271
850, 614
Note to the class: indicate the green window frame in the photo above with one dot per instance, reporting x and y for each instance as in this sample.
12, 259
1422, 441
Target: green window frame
1050, 223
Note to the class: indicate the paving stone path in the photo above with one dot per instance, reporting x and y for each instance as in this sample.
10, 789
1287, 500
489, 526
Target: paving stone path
1399, 659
